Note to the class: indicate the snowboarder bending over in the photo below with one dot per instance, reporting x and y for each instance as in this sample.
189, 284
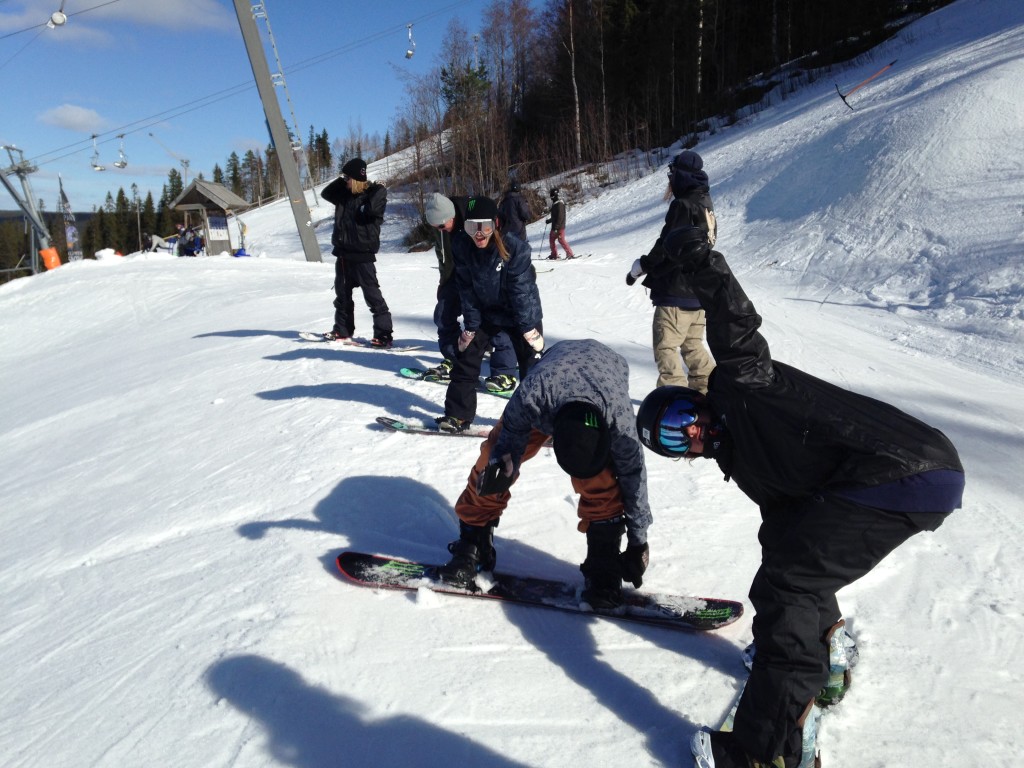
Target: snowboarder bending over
841, 480
578, 394
498, 289
447, 216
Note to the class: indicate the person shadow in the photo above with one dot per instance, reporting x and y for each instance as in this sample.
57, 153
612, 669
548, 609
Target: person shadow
309, 727
417, 522
389, 400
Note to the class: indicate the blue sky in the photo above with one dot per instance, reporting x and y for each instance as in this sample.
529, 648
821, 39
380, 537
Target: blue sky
178, 69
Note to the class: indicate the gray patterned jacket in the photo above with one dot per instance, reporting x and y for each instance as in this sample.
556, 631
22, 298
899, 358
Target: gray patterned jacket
586, 371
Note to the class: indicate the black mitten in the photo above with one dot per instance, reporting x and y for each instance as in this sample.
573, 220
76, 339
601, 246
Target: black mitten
633, 562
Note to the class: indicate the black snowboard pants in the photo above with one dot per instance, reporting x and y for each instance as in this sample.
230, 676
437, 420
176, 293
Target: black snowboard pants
349, 275
460, 400
809, 550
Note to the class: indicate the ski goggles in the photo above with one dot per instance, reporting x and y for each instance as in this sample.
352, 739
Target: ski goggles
479, 226
672, 423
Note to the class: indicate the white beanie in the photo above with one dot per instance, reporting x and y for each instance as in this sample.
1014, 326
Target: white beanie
439, 210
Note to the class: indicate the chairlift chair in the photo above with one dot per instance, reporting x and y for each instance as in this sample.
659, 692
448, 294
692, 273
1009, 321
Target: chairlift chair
121, 161
412, 44
96, 156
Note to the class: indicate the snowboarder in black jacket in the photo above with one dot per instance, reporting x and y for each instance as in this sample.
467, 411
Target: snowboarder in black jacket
841, 480
678, 325
358, 214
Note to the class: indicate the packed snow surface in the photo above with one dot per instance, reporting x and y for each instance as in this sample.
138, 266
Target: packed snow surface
181, 470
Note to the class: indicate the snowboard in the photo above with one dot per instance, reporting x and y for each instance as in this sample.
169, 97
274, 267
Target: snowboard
419, 375
354, 342
669, 611
430, 429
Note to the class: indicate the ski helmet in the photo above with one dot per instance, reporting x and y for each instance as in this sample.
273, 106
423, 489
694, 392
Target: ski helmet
664, 416
554, 193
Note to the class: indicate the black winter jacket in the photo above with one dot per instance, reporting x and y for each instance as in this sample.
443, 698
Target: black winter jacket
514, 215
668, 286
794, 435
496, 293
357, 220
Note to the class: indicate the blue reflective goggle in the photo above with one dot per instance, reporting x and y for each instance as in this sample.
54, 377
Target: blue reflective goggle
677, 416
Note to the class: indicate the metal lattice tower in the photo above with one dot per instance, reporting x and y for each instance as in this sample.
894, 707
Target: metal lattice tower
259, 11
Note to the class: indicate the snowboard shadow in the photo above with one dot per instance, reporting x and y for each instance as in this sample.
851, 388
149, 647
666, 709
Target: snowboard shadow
417, 522
308, 726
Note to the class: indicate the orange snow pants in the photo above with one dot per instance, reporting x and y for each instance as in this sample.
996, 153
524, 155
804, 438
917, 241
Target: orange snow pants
600, 497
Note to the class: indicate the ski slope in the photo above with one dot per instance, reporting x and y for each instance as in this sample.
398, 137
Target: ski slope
180, 471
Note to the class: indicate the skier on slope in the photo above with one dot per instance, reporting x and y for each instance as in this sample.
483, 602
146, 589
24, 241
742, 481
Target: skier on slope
447, 215
556, 218
678, 324
841, 480
498, 290
578, 394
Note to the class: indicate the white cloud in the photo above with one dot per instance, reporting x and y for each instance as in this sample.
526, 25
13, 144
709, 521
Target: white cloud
74, 118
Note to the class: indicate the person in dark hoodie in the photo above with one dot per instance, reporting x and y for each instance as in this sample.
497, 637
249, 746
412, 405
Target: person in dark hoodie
678, 326
513, 213
358, 213
841, 480
498, 290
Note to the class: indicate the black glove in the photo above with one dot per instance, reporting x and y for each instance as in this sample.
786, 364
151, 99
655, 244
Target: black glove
493, 479
547, 221
633, 562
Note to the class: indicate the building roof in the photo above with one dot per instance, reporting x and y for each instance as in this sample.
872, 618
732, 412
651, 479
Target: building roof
207, 195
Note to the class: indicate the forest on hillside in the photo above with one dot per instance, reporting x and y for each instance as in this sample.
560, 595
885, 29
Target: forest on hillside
540, 91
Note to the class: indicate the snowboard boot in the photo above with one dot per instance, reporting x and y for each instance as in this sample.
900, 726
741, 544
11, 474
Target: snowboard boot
452, 424
809, 757
718, 749
842, 655
441, 372
602, 574
500, 383
381, 341
335, 335
472, 552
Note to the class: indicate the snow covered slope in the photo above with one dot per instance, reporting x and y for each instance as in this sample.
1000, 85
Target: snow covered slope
180, 470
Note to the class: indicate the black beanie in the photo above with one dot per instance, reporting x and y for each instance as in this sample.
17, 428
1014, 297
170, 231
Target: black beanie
581, 440
355, 169
481, 208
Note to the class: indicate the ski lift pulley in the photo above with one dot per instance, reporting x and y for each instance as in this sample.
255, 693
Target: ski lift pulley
96, 156
58, 18
121, 161
412, 44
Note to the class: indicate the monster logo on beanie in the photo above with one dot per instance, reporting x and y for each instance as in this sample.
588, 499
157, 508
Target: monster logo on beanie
581, 440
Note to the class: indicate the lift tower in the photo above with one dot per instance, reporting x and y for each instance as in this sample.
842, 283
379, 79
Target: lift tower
246, 13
